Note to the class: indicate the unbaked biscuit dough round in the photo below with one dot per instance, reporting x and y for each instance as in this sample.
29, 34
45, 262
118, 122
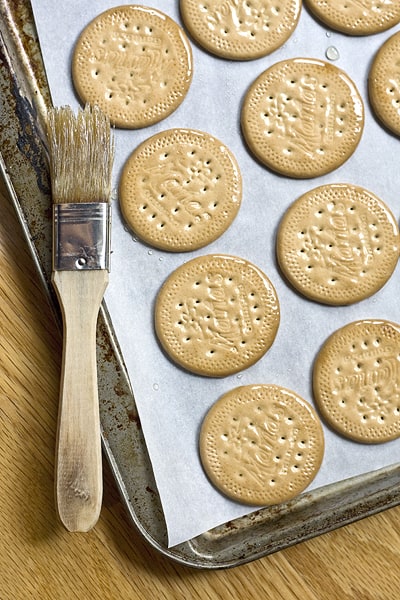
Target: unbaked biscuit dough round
357, 17
338, 244
180, 189
261, 444
356, 381
240, 30
135, 63
216, 315
302, 117
384, 83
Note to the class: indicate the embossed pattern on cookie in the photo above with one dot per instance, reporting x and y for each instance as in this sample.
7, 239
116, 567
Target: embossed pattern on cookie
238, 29
302, 117
384, 83
338, 244
356, 381
216, 315
261, 444
357, 17
135, 63
180, 189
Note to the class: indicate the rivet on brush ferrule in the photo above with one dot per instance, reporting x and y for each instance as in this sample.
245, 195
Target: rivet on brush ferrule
81, 239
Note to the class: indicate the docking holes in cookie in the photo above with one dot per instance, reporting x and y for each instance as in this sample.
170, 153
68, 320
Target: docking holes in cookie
216, 315
338, 244
135, 63
302, 117
261, 444
384, 83
180, 190
356, 381
240, 30
356, 17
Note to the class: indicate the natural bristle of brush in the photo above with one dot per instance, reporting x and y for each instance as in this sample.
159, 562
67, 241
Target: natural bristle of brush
81, 152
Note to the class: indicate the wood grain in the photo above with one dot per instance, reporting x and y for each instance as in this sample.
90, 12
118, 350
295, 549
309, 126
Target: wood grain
79, 483
39, 559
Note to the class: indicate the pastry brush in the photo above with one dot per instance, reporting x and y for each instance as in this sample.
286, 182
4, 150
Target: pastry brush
81, 153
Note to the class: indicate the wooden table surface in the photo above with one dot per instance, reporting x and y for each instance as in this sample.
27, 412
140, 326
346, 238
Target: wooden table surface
39, 559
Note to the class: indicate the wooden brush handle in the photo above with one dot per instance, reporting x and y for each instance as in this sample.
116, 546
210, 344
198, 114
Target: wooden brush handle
78, 484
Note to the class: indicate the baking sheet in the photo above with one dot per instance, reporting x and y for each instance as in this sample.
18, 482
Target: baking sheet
172, 403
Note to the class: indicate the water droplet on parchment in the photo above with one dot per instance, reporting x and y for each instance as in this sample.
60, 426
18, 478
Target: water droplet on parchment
332, 53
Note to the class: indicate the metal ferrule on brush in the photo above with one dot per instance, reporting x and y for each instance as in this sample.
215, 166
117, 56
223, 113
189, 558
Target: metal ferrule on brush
81, 239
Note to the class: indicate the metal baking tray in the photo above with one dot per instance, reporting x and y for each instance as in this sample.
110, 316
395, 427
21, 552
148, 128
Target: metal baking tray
24, 98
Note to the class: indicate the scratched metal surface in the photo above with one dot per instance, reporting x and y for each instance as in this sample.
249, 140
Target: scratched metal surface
24, 98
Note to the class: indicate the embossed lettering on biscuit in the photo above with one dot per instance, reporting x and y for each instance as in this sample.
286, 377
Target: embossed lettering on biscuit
338, 244
384, 84
216, 315
302, 117
135, 63
357, 17
356, 380
180, 189
261, 444
238, 29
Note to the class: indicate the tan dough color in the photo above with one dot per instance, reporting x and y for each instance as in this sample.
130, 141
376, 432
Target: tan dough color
302, 117
216, 315
356, 17
180, 189
240, 30
135, 63
261, 444
338, 244
356, 381
384, 83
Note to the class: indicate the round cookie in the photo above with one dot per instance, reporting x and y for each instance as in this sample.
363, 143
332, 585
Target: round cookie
384, 83
180, 189
356, 17
338, 244
240, 30
356, 381
261, 444
135, 63
302, 117
216, 315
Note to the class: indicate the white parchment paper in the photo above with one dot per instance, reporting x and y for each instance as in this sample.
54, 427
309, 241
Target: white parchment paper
172, 403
